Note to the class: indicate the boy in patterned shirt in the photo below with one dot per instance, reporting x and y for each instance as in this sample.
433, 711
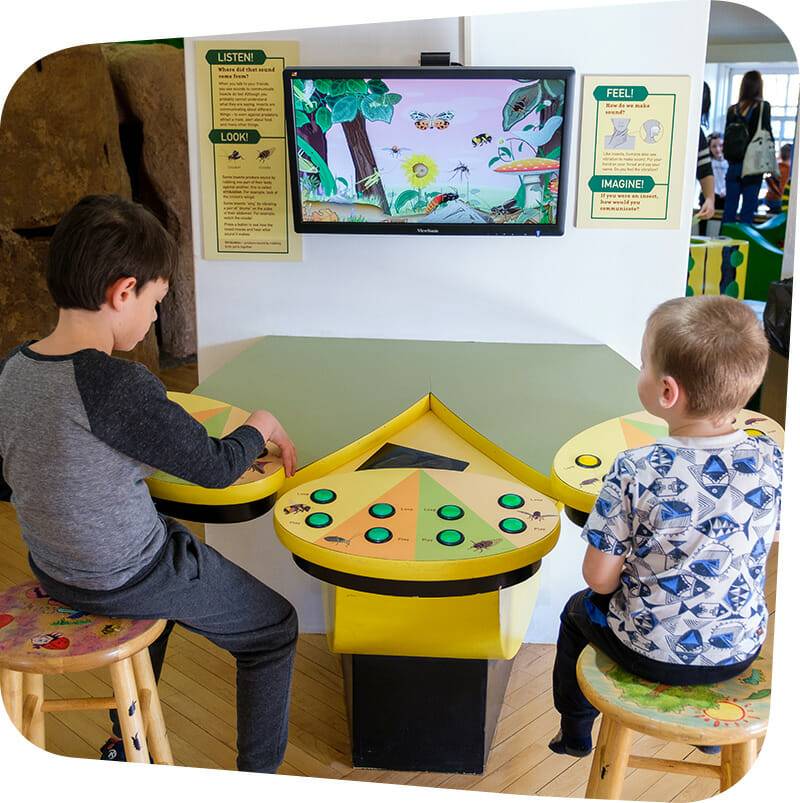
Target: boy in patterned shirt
679, 535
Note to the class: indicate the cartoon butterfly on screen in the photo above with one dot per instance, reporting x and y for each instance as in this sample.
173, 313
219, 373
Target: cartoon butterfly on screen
428, 122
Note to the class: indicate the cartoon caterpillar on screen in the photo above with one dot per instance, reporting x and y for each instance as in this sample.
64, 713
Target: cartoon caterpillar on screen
442, 198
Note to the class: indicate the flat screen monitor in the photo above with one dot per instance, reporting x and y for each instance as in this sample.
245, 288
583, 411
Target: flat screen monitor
442, 150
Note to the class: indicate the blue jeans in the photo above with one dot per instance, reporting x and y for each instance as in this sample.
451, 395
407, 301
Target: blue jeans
735, 187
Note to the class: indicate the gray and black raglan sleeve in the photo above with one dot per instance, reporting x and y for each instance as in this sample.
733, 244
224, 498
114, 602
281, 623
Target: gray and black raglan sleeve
5, 489
127, 408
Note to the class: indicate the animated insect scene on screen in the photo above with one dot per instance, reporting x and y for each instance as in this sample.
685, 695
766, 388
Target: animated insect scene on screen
472, 149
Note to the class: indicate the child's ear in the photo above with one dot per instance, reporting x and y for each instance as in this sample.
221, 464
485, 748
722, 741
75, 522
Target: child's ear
670, 392
120, 291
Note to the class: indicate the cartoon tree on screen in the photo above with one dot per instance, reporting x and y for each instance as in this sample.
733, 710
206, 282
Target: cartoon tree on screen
349, 102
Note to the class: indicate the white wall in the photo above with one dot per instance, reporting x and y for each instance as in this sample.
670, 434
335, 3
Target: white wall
587, 286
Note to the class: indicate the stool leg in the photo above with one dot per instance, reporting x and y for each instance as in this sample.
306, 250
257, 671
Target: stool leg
32, 713
129, 712
735, 763
610, 761
151, 708
11, 686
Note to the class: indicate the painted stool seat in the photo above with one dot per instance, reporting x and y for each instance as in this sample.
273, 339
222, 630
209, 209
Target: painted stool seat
41, 636
716, 714
732, 714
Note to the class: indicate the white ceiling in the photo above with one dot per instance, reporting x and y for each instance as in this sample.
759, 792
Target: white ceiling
733, 23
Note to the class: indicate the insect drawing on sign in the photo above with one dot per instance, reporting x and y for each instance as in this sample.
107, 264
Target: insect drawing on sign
481, 139
395, 151
265, 154
428, 122
235, 156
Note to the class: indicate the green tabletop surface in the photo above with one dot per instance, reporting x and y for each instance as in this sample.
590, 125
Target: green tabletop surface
529, 399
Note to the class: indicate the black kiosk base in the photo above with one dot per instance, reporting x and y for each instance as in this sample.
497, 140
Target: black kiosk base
423, 714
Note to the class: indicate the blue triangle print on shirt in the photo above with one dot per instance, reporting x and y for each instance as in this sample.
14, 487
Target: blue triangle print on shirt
661, 459
644, 621
719, 528
709, 610
761, 497
688, 646
683, 585
746, 460
674, 510
715, 476
715, 468
738, 594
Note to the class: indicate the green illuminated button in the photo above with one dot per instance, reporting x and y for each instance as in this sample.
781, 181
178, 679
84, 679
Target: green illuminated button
450, 512
513, 526
381, 510
588, 461
323, 496
318, 520
450, 537
378, 535
511, 501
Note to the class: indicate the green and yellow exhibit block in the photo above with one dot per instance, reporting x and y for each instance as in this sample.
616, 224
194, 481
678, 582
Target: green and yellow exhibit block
717, 266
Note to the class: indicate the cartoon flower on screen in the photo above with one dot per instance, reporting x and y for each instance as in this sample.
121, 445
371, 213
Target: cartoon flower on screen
420, 170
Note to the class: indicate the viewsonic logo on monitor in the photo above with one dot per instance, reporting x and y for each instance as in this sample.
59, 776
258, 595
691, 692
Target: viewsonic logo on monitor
428, 231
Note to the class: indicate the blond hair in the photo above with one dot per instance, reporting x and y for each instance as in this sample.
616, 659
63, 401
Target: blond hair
713, 346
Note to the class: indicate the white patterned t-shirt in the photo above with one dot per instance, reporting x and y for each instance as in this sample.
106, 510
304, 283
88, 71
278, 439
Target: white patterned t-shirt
695, 518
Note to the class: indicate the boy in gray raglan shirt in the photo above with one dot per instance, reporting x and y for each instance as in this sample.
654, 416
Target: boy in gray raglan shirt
95, 539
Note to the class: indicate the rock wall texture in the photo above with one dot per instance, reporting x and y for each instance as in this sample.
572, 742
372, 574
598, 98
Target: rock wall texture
65, 132
59, 139
149, 83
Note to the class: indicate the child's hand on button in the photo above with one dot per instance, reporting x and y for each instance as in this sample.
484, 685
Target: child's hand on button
271, 430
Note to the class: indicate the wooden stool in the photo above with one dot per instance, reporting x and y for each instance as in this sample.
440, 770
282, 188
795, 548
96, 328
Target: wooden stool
40, 636
732, 714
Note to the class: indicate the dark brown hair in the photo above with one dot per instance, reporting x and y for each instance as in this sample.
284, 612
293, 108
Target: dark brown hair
713, 346
752, 88
104, 238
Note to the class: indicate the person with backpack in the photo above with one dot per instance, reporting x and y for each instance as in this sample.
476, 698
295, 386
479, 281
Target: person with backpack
746, 145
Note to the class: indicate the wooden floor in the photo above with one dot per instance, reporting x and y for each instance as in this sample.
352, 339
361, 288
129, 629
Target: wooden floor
197, 690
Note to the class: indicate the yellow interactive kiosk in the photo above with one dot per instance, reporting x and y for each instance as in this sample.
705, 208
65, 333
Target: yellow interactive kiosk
429, 564
252, 495
423, 507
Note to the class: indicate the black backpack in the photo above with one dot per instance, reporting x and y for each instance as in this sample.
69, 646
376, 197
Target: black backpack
736, 137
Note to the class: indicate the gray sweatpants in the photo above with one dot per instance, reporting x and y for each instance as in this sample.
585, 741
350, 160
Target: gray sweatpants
192, 584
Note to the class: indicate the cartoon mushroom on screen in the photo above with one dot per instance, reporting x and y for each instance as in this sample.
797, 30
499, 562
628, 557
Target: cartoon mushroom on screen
530, 172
